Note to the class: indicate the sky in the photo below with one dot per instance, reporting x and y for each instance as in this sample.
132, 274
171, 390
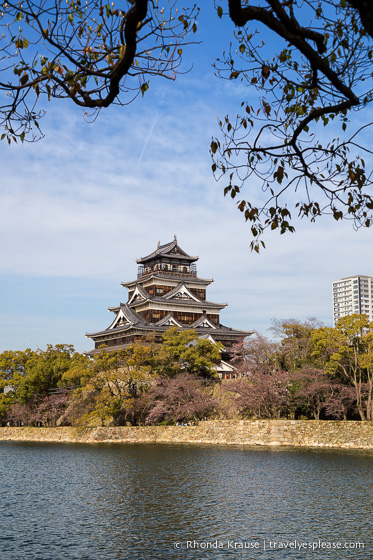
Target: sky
81, 205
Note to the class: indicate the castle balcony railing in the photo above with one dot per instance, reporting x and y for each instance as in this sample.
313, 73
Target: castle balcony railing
167, 270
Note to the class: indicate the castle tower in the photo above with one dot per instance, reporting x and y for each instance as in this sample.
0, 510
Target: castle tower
166, 293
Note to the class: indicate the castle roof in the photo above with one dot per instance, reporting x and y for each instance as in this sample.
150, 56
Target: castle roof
170, 250
159, 275
126, 319
178, 295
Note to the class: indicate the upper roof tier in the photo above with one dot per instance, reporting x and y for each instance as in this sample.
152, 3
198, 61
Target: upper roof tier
166, 253
161, 276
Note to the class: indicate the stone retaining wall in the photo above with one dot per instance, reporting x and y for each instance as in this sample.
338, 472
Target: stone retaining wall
309, 433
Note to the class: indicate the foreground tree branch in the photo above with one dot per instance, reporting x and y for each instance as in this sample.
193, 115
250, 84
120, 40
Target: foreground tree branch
321, 72
92, 53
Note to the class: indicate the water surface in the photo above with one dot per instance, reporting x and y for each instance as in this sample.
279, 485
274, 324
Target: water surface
160, 502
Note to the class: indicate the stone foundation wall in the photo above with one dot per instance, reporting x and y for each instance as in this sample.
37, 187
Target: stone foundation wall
309, 433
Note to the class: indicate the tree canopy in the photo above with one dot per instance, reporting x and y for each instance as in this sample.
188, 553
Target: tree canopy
308, 63
346, 351
41, 384
315, 372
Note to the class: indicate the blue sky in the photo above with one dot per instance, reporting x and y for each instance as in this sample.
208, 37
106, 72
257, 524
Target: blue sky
78, 208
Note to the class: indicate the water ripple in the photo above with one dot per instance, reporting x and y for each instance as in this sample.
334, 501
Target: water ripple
121, 502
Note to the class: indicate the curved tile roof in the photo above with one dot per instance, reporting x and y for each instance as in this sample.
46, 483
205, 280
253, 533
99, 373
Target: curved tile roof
159, 275
167, 251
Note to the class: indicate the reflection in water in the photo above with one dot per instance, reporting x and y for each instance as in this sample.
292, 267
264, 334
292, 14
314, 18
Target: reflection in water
104, 502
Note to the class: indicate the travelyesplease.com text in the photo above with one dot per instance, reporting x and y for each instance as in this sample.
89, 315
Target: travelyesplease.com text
267, 545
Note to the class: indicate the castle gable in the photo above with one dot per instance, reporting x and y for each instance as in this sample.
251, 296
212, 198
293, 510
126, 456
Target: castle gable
169, 321
120, 321
203, 322
139, 294
181, 292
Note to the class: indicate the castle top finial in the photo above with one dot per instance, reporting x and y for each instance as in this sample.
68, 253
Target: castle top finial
175, 237
159, 244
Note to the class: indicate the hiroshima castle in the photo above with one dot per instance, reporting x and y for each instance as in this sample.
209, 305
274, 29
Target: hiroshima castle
166, 293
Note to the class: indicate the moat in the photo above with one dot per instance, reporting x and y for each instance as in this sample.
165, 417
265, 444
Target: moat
159, 502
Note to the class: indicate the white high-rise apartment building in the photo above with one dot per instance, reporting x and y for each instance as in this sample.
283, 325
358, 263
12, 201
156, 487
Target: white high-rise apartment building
353, 295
